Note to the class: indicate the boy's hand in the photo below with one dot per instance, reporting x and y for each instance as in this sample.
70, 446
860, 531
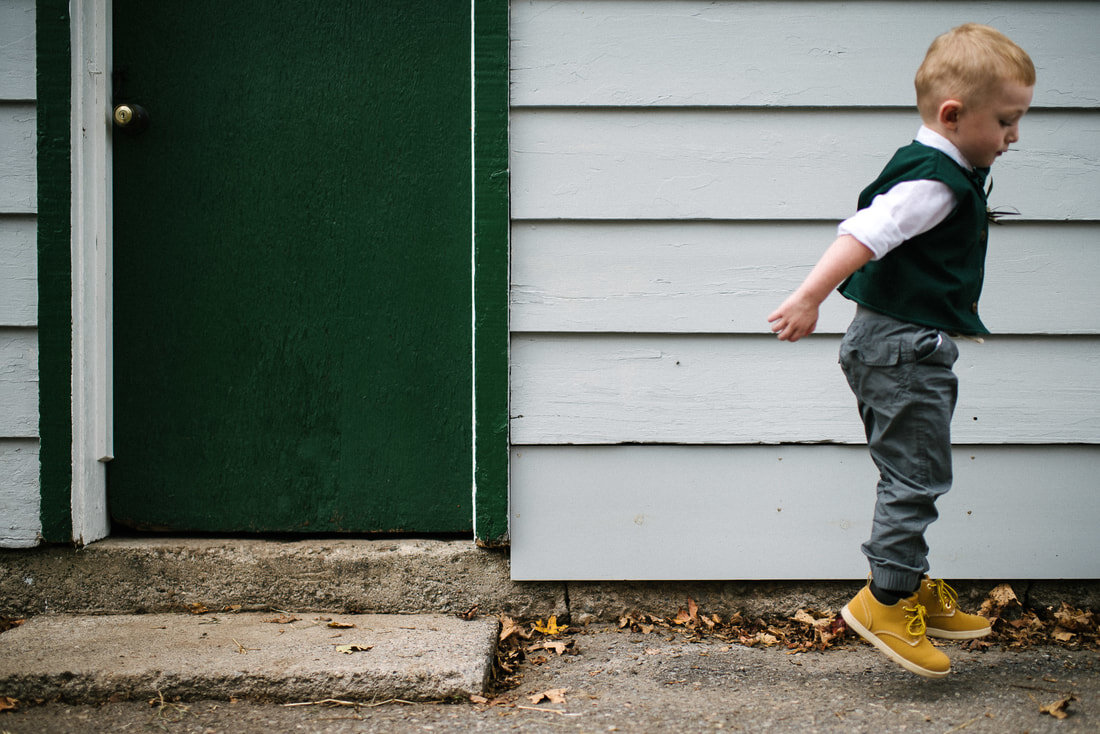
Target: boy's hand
795, 318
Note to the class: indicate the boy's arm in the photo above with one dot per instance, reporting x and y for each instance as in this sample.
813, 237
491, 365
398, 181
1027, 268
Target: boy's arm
796, 317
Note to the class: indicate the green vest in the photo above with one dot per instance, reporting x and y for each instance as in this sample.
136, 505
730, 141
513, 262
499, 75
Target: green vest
935, 278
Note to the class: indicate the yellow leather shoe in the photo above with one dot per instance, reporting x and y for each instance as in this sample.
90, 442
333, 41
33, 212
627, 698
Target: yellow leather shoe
942, 615
897, 631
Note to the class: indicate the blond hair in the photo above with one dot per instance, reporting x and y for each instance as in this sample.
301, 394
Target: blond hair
968, 63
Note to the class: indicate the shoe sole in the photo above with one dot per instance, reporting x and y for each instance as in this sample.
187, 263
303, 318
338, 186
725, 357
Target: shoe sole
885, 649
958, 634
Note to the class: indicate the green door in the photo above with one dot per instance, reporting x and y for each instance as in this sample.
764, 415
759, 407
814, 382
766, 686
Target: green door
292, 342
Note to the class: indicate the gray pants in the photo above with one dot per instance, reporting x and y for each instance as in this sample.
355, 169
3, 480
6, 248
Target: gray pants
906, 392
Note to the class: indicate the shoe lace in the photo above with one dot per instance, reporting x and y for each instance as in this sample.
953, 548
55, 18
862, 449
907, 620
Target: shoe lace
947, 596
914, 621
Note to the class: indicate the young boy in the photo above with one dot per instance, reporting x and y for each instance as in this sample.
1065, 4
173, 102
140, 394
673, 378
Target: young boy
912, 259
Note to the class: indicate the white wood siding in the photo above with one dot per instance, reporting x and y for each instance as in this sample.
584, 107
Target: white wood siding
677, 167
17, 50
19, 488
788, 54
799, 512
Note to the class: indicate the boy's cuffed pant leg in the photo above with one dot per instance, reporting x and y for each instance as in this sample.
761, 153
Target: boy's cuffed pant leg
906, 392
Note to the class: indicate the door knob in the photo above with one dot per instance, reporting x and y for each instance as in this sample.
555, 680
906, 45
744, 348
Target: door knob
131, 118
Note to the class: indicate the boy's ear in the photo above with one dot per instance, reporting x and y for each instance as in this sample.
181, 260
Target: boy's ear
949, 113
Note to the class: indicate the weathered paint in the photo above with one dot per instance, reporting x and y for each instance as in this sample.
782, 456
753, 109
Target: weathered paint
18, 383
18, 271
292, 268
17, 174
54, 269
20, 523
490, 241
672, 164
17, 50
791, 512
657, 388
768, 164
782, 54
724, 277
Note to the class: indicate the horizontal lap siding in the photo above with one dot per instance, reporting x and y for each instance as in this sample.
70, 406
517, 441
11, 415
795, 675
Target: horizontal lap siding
18, 271
17, 50
786, 54
676, 170
19, 470
17, 158
726, 277
768, 164
659, 388
19, 502
790, 512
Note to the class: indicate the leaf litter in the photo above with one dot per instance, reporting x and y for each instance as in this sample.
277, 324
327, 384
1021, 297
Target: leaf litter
1015, 627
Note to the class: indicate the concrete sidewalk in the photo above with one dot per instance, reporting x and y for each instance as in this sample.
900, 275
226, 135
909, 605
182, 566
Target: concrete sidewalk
260, 657
614, 680
110, 622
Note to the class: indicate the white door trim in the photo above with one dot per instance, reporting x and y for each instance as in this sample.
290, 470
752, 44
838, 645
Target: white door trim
92, 400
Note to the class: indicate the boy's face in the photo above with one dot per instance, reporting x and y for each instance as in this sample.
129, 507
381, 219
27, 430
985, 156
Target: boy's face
984, 131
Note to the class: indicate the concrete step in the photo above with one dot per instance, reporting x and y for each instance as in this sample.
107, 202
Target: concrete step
271, 656
400, 576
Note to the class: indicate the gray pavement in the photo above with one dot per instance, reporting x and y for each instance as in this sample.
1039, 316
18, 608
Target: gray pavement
273, 656
109, 646
663, 682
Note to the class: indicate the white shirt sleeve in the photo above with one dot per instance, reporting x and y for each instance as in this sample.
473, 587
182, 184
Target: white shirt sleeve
905, 211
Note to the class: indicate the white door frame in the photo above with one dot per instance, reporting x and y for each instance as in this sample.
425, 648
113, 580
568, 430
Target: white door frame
92, 388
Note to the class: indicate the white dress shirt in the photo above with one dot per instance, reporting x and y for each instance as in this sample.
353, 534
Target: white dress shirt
908, 209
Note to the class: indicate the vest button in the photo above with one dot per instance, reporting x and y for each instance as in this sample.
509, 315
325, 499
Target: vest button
974, 307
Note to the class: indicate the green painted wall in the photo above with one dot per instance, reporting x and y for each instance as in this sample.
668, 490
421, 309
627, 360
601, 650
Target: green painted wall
491, 250
54, 269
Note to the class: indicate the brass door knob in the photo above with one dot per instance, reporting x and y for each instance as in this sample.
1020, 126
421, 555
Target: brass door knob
131, 117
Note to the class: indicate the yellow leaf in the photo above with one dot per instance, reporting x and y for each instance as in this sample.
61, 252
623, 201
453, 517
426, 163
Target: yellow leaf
349, 649
341, 625
551, 627
7, 703
554, 695
1058, 708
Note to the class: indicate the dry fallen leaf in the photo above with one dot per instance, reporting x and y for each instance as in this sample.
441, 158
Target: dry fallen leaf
558, 646
7, 623
1000, 598
197, 608
282, 619
474, 698
341, 625
509, 628
554, 695
349, 649
7, 703
803, 616
1058, 709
